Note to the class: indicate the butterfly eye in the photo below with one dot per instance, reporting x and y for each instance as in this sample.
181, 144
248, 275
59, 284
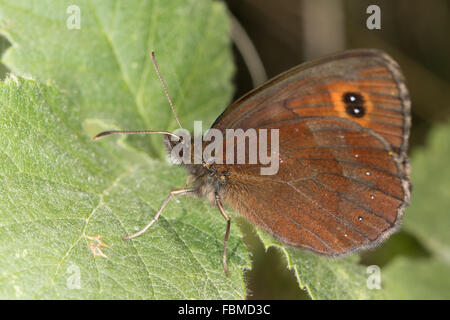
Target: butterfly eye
354, 104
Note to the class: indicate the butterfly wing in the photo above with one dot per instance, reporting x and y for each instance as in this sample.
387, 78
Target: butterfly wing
316, 89
342, 183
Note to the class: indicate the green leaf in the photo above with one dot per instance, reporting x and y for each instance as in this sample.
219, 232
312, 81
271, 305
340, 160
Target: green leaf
105, 65
56, 177
59, 189
428, 216
427, 219
326, 278
415, 279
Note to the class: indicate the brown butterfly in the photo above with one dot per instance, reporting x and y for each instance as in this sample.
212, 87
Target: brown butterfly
343, 179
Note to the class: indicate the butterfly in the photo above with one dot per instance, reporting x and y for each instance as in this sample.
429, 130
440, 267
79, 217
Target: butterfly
343, 180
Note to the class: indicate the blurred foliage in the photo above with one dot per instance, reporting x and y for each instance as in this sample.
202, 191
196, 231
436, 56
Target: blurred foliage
417, 279
428, 216
407, 276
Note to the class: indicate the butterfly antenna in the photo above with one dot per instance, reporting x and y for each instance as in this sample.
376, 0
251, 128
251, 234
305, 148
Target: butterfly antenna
165, 88
107, 133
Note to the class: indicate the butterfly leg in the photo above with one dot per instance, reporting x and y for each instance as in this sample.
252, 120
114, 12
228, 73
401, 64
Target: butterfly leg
227, 234
188, 179
170, 196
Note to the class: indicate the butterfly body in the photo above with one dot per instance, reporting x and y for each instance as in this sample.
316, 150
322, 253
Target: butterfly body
343, 178
341, 182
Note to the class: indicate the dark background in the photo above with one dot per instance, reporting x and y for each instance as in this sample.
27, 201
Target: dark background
288, 32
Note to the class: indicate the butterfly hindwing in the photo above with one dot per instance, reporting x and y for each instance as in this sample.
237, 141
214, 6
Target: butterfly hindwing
342, 183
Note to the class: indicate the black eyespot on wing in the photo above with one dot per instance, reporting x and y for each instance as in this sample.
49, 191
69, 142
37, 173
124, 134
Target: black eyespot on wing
352, 97
356, 111
354, 104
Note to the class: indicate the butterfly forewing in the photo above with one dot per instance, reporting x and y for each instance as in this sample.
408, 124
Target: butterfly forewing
342, 183
318, 88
